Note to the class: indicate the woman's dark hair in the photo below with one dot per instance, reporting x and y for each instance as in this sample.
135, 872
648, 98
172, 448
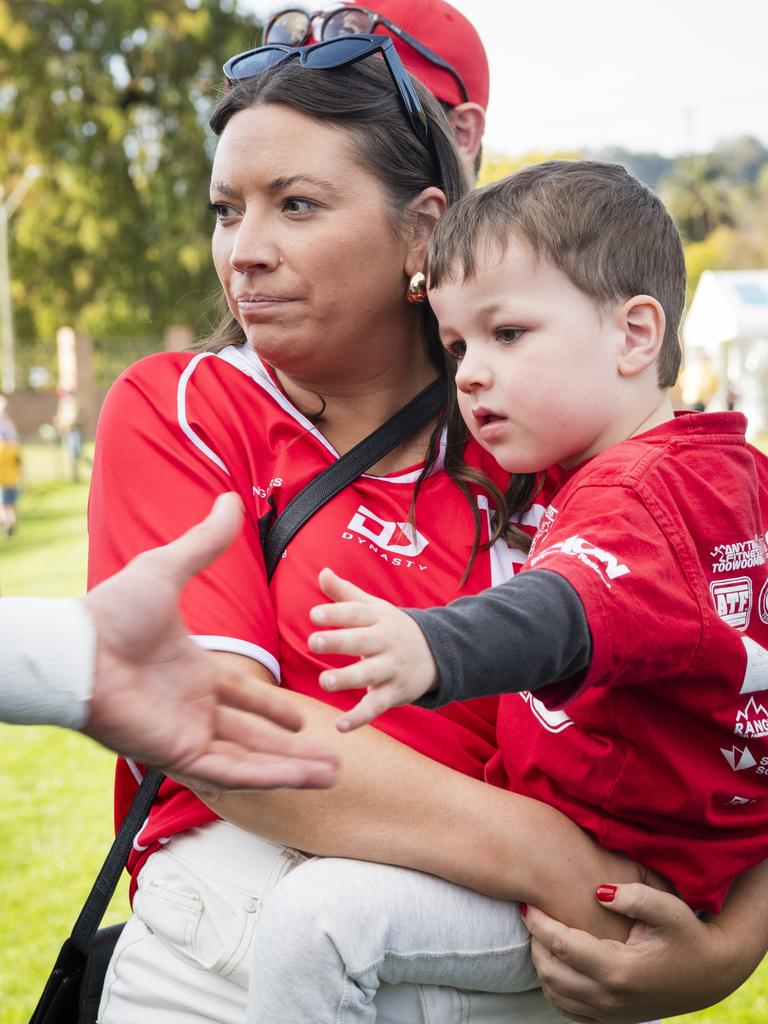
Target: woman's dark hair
363, 101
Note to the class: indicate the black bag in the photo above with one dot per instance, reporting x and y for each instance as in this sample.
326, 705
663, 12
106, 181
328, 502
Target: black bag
73, 990
61, 995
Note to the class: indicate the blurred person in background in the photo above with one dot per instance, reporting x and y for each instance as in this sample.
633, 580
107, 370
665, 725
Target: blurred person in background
67, 422
10, 468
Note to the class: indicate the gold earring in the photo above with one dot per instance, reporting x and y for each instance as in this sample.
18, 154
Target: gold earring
417, 288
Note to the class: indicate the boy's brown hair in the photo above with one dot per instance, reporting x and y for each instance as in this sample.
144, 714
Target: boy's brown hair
605, 230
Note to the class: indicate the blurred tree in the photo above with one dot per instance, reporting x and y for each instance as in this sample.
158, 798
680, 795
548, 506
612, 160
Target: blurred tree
110, 98
497, 165
740, 160
720, 203
697, 195
648, 167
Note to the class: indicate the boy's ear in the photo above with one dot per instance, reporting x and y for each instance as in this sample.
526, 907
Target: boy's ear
425, 211
642, 322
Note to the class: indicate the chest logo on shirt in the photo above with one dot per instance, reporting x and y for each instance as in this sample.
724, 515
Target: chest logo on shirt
744, 554
738, 758
401, 540
752, 721
262, 492
733, 600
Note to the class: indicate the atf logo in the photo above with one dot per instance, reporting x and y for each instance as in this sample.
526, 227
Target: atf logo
733, 600
398, 538
752, 721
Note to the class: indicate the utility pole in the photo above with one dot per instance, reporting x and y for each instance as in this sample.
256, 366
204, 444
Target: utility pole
7, 209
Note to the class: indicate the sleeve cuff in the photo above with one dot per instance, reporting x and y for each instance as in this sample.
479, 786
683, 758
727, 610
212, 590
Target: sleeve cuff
47, 650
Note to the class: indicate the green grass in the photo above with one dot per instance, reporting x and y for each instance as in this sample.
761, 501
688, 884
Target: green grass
55, 787
55, 829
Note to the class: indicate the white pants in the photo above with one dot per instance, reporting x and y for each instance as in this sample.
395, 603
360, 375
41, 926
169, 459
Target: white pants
346, 926
185, 956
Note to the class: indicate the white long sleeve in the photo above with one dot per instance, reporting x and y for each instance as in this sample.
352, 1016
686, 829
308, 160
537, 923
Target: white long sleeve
46, 661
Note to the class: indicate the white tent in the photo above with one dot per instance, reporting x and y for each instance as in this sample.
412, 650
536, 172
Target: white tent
728, 322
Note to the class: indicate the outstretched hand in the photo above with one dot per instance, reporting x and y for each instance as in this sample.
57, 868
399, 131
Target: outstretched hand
657, 972
161, 699
396, 664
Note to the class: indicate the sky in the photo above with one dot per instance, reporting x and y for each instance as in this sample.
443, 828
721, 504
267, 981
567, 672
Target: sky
668, 76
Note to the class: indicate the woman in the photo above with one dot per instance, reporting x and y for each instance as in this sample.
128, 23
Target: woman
325, 194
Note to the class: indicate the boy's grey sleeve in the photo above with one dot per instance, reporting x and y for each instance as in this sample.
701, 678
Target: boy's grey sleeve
520, 635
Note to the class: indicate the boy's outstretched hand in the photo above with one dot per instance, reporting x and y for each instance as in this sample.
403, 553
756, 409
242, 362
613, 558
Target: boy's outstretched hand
396, 664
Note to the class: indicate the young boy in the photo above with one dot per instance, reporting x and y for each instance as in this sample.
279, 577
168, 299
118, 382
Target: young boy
633, 645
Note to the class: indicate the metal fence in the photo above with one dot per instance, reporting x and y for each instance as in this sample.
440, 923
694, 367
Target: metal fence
36, 364
37, 360
111, 357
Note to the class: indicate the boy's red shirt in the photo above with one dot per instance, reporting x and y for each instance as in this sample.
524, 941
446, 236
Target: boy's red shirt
662, 750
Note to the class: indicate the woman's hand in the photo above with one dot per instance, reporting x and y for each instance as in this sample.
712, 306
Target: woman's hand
396, 664
672, 962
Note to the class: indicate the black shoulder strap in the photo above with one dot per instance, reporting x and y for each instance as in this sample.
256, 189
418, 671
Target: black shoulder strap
95, 906
375, 446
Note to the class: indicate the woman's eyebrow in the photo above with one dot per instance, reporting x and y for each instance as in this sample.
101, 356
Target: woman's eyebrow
223, 188
290, 181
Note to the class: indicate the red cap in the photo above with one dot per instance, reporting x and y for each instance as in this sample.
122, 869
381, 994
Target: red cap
448, 33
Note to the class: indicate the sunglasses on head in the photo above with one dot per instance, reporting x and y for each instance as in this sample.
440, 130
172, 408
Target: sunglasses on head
335, 53
291, 27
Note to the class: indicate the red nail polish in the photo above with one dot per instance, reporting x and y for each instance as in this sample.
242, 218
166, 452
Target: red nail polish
523, 908
605, 893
